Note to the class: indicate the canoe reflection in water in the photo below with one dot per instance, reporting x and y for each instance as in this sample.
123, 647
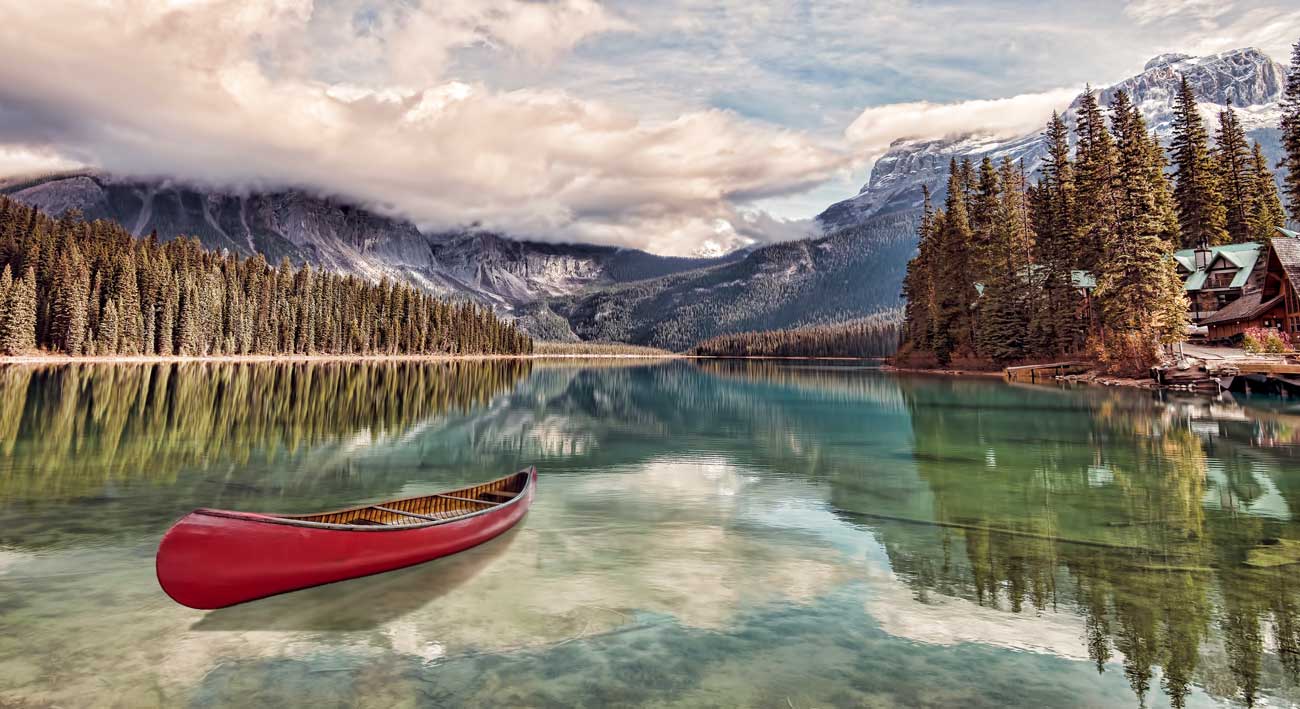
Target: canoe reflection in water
217, 558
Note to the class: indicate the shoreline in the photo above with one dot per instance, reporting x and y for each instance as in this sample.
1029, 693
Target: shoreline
942, 372
1091, 377
272, 359
48, 358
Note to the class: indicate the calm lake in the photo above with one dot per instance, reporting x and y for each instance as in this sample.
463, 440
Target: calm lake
705, 534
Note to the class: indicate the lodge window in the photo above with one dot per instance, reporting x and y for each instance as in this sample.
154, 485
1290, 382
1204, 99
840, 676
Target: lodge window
1220, 279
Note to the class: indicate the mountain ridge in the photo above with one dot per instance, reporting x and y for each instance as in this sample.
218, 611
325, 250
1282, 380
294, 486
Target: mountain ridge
1247, 77
335, 234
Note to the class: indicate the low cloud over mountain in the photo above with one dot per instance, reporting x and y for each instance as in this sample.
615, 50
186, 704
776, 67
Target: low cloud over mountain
231, 93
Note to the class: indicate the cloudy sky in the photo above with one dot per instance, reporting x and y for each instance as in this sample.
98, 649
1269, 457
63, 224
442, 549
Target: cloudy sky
658, 124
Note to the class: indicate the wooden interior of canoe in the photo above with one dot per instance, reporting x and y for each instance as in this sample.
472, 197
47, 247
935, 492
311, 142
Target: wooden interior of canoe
439, 507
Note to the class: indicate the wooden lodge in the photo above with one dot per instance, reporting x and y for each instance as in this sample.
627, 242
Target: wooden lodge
1268, 297
1214, 277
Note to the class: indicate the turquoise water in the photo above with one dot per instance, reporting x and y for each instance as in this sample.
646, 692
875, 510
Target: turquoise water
713, 534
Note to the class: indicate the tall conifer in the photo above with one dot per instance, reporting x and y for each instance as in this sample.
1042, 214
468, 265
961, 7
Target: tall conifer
1201, 216
1291, 135
72, 287
1232, 158
1004, 307
6, 308
107, 340
1266, 213
1057, 327
18, 335
956, 292
918, 283
983, 217
1095, 175
1138, 289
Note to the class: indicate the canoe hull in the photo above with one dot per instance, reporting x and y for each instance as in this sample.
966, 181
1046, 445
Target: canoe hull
210, 559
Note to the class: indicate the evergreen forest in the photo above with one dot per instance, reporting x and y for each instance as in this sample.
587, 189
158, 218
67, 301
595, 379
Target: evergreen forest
875, 336
90, 288
1079, 262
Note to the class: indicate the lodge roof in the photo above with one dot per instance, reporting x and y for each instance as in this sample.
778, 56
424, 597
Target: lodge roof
1288, 254
1288, 232
1246, 307
1243, 256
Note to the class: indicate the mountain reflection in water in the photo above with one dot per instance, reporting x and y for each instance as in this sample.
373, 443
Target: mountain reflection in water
717, 532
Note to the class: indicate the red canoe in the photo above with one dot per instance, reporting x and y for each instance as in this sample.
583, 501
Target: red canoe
215, 558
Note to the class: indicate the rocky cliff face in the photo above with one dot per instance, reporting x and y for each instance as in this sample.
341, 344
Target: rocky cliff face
338, 236
1246, 78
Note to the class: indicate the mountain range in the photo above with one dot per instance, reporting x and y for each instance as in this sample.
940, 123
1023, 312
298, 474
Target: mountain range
1247, 78
572, 291
335, 234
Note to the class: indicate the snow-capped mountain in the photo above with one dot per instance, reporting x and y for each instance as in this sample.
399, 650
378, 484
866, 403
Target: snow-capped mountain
1247, 78
335, 235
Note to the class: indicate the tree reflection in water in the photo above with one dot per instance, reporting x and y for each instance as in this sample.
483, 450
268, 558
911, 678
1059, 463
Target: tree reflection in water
149, 422
1151, 517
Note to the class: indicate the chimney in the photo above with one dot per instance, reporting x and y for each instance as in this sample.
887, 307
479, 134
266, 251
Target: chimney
1202, 256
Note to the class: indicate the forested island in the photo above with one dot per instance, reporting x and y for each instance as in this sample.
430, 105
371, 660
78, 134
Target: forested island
82, 288
1080, 263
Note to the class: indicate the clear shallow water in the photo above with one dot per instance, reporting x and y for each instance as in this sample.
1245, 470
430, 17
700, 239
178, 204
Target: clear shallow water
717, 534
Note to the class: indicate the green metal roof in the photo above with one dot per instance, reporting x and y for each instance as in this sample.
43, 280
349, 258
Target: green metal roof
1243, 256
1288, 232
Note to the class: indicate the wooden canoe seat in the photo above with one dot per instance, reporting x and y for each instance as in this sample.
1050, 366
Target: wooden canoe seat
498, 495
426, 518
465, 499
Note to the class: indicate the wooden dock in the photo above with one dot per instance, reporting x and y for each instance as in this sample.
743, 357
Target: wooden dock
1266, 368
1241, 374
1044, 372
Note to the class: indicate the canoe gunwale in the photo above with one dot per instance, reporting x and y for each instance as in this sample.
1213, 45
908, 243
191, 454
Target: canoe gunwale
291, 521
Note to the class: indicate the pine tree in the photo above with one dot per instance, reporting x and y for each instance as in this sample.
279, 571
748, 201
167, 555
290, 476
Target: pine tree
108, 339
954, 286
188, 341
18, 335
1266, 212
1057, 327
1232, 158
69, 322
1157, 169
1138, 289
983, 216
1291, 135
1201, 216
167, 317
126, 292
1094, 179
918, 284
1004, 312
6, 308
